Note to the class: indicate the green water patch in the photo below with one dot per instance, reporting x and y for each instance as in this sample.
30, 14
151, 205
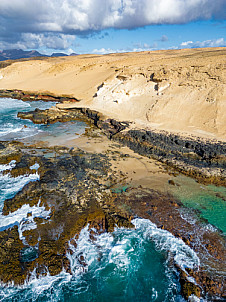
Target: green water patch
209, 201
120, 189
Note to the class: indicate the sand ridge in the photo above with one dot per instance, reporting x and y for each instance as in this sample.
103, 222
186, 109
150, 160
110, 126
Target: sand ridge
180, 91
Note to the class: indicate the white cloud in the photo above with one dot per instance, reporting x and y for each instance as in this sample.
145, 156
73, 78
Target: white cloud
34, 41
103, 51
207, 43
141, 47
83, 15
186, 43
67, 17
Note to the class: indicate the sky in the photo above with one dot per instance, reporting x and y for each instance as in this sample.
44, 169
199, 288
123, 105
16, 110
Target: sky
106, 26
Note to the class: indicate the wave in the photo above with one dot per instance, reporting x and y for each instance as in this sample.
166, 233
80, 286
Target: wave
124, 264
183, 255
18, 132
9, 185
19, 217
9, 166
7, 104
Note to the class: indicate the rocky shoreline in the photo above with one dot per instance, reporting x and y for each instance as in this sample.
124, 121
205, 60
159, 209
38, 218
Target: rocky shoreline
76, 187
204, 160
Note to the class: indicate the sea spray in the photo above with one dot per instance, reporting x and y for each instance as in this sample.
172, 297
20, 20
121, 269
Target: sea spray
9, 185
183, 255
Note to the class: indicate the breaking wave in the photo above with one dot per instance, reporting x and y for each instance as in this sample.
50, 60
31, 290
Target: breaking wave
128, 264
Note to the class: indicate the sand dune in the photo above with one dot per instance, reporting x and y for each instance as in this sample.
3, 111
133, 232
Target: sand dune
175, 90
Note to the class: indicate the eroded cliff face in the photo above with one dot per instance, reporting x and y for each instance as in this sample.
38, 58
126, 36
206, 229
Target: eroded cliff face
189, 97
179, 90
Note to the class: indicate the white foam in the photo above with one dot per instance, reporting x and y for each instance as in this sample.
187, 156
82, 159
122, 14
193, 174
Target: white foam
41, 284
18, 132
10, 129
36, 166
10, 104
183, 255
117, 247
20, 218
119, 251
9, 185
193, 298
9, 166
86, 248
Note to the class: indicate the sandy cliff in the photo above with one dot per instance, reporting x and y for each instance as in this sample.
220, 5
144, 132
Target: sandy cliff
175, 90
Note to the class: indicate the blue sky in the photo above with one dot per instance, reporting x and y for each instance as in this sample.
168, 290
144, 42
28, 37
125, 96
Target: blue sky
103, 26
201, 33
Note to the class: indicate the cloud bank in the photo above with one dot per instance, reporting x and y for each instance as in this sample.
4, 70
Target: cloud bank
34, 22
145, 47
207, 43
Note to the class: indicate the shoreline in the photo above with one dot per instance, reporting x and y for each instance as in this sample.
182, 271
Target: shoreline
131, 196
200, 158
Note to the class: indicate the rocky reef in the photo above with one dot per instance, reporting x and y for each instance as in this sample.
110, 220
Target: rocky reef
72, 189
76, 188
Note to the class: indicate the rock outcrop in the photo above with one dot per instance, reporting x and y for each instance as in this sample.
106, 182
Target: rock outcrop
203, 159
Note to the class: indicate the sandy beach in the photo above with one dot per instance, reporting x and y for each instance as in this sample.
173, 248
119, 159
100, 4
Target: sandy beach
180, 91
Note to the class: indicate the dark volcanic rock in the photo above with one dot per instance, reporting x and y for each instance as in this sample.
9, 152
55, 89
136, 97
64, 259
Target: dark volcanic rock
52, 115
203, 160
31, 96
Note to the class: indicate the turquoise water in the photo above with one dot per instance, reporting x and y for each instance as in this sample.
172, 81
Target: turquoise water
209, 201
126, 265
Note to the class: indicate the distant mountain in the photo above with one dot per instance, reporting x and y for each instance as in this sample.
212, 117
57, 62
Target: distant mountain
58, 54
14, 54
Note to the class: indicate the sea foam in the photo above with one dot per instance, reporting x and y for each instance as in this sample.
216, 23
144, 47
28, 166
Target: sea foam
110, 257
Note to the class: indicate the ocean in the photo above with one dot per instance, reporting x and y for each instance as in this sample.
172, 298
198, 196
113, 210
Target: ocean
126, 265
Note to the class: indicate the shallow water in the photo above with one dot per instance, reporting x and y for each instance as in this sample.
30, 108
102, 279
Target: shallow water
209, 201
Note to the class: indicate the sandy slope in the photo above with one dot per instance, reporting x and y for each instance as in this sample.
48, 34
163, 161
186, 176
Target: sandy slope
175, 90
